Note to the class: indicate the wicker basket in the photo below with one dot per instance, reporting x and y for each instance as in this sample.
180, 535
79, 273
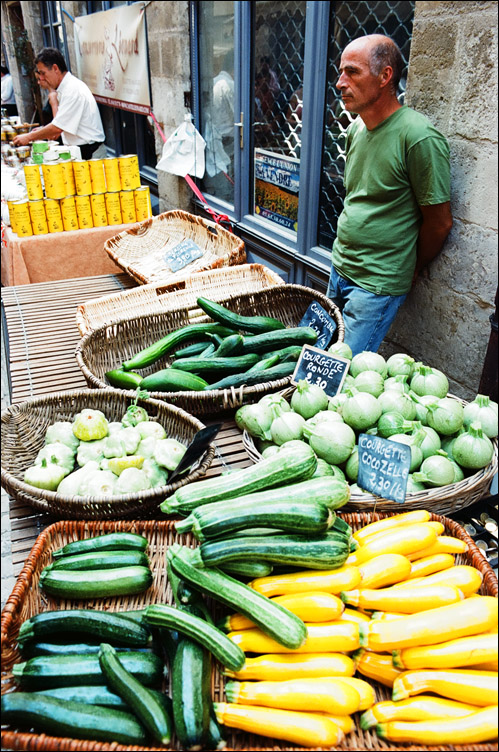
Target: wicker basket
140, 250
158, 297
27, 600
107, 347
23, 432
443, 500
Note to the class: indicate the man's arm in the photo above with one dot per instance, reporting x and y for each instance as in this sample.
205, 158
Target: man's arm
436, 225
48, 132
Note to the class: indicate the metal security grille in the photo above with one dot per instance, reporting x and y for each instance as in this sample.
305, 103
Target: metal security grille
347, 22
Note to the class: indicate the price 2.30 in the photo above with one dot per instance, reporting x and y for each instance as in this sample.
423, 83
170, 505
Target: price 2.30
318, 381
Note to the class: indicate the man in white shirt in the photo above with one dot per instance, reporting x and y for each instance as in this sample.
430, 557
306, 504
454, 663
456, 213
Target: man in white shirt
76, 115
8, 98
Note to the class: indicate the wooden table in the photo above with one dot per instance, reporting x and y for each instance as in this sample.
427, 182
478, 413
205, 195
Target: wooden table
42, 336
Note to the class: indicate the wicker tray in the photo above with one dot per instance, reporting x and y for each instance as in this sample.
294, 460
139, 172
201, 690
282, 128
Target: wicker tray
108, 346
444, 500
26, 600
140, 250
23, 431
157, 297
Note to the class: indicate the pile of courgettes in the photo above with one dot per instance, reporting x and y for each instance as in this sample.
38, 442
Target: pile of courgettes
233, 351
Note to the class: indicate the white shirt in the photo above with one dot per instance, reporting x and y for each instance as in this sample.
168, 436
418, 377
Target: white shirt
78, 115
7, 90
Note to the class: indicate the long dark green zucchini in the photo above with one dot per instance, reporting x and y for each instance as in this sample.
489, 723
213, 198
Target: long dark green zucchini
123, 379
247, 569
31, 648
276, 340
102, 560
236, 321
51, 715
91, 695
250, 378
195, 349
231, 345
106, 542
217, 366
148, 709
97, 625
290, 465
273, 619
174, 380
47, 671
265, 363
95, 583
154, 352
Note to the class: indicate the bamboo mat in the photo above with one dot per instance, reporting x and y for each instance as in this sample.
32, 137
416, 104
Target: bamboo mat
41, 332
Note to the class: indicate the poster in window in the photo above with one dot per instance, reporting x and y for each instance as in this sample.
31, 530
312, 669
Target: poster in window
277, 182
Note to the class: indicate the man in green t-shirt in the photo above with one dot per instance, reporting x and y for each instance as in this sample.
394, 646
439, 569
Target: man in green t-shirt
396, 214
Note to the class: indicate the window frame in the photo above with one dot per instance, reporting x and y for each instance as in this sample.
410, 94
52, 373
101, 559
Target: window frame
49, 35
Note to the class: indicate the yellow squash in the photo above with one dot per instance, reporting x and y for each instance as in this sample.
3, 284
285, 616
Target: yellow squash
471, 729
310, 606
487, 666
345, 722
418, 515
329, 581
468, 579
331, 637
408, 600
350, 614
378, 666
386, 615
444, 544
304, 729
366, 691
463, 685
419, 708
468, 617
383, 570
328, 695
403, 540
430, 564
465, 651
277, 666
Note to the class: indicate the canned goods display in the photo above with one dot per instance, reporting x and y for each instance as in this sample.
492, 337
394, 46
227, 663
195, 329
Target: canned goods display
38, 217
99, 211
53, 178
129, 172
12, 218
97, 175
38, 147
69, 179
142, 203
33, 180
112, 173
83, 182
127, 204
54, 217
113, 208
68, 212
84, 212
22, 219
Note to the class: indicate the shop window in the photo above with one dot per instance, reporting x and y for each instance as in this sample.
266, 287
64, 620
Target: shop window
53, 29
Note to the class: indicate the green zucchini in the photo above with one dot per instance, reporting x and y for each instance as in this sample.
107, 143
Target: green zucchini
195, 349
174, 380
102, 559
279, 339
148, 709
123, 379
91, 695
31, 649
208, 351
106, 542
97, 625
216, 366
234, 320
191, 694
292, 352
247, 569
48, 671
309, 552
51, 715
197, 629
95, 583
265, 363
290, 465
166, 344
287, 628
250, 378
231, 345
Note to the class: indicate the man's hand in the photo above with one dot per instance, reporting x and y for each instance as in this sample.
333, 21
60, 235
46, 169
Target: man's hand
23, 139
436, 225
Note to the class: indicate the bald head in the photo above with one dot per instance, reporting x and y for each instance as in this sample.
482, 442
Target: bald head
381, 52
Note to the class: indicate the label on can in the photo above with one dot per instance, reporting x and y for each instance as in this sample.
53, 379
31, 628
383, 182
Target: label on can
68, 212
129, 172
112, 173
22, 218
84, 211
53, 178
113, 208
53, 212
12, 216
127, 203
38, 217
142, 203
33, 182
69, 179
97, 175
99, 211
81, 172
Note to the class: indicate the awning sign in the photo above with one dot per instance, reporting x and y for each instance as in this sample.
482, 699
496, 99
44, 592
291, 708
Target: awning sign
111, 57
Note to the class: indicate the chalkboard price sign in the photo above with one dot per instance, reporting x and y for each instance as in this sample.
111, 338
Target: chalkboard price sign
321, 322
316, 366
383, 467
182, 254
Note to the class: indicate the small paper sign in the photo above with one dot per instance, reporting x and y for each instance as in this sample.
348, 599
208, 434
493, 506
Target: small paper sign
321, 322
383, 467
316, 366
182, 254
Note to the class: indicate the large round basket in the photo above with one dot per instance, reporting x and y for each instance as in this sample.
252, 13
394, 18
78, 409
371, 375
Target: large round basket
107, 347
443, 500
23, 434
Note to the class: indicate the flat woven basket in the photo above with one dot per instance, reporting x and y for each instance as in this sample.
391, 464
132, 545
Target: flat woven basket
154, 298
108, 346
140, 250
27, 600
443, 500
23, 433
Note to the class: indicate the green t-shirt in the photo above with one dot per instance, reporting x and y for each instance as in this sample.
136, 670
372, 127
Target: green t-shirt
390, 171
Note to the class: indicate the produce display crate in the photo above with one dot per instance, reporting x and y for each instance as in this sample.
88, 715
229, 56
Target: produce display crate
27, 600
444, 500
140, 250
108, 346
157, 297
23, 434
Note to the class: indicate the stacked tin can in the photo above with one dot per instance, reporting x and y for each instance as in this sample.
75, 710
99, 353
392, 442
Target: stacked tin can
71, 194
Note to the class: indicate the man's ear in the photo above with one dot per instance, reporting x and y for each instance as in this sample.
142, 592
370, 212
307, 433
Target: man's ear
386, 75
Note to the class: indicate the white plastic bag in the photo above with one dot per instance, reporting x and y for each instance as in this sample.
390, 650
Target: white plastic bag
183, 152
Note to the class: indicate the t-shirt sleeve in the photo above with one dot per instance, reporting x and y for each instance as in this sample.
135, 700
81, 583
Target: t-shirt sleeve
70, 113
428, 167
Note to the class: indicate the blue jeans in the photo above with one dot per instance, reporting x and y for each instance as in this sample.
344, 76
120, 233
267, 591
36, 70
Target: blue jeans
367, 316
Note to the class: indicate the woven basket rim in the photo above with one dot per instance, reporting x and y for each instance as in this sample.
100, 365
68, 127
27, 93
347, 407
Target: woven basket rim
43, 498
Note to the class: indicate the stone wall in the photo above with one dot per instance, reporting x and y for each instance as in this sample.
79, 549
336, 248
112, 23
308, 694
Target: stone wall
453, 80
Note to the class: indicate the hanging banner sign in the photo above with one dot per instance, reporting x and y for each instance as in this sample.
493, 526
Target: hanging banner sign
277, 182
111, 57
